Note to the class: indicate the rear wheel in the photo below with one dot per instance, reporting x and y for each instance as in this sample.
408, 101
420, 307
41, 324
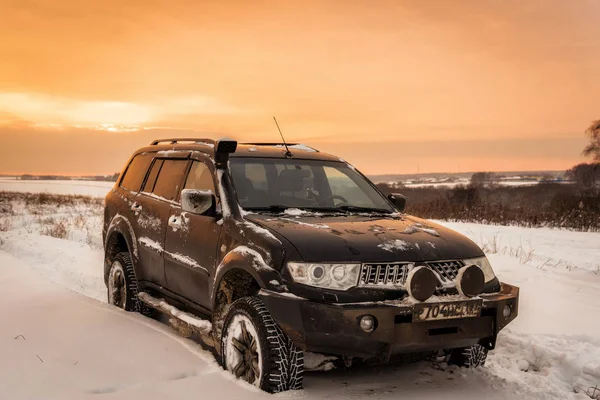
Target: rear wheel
122, 286
254, 348
469, 357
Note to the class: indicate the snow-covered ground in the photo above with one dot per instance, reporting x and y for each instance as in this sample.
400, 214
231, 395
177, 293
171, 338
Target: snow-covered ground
99, 189
85, 188
544, 248
60, 340
432, 182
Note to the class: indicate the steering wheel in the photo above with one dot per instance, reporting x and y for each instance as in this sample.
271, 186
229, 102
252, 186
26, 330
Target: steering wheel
336, 197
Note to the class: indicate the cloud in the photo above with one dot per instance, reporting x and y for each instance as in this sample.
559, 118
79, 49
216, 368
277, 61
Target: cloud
47, 109
75, 151
331, 71
69, 150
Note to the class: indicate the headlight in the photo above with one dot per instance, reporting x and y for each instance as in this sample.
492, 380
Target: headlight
484, 264
329, 276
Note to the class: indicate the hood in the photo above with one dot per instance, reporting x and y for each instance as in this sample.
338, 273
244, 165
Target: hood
353, 238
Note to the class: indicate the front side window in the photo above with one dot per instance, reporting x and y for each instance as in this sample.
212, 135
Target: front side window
136, 172
269, 183
342, 186
170, 178
200, 177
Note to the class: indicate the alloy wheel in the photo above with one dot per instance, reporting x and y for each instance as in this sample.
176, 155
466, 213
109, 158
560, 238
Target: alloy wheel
117, 289
243, 358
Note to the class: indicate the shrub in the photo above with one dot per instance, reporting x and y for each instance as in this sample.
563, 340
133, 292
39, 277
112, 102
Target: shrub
49, 199
547, 205
58, 230
5, 224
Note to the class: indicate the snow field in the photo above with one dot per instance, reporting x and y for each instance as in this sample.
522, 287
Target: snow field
551, 351
85, 188
100, 188
60, 345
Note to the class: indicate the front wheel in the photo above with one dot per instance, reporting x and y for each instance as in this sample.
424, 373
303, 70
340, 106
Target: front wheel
469, 357
254, 348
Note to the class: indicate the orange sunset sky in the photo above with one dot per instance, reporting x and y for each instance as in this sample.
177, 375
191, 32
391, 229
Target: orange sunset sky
391, 86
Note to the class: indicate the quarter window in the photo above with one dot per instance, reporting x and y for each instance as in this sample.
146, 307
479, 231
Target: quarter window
136, 172
151, 181
170, 178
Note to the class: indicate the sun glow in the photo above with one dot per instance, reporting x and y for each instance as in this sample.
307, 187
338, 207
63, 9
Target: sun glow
114, 116
51, 110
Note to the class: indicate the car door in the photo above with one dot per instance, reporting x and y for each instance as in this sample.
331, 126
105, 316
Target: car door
152, 207
127, 205
191, 241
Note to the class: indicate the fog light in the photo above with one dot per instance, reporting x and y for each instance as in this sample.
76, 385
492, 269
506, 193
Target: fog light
506, 311
470, 280
367, 323
421, 283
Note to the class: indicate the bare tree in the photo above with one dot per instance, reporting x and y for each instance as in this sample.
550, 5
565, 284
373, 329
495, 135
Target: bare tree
480, 179
586, 175
593, 148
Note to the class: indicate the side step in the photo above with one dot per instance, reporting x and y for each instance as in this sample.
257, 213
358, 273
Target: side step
201, 326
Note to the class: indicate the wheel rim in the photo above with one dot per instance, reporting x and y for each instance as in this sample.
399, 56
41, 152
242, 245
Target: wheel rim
243, 350
117, 289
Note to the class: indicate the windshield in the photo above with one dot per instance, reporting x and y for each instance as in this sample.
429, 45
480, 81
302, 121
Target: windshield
277, 184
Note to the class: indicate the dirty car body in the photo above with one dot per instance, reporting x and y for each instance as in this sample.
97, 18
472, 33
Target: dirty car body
323, 247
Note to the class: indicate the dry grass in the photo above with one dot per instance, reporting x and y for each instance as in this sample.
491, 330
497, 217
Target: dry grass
47, 199
60, 216
524, 252
5, 224
79, 221
6, 208
56, 229
28, 225
592, 392
90, 235
46, 220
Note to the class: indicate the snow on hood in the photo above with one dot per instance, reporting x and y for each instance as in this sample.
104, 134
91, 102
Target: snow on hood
395, 244
336, 238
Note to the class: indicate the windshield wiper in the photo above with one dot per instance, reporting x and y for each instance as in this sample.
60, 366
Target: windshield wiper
364, 209
277, 208
271, 208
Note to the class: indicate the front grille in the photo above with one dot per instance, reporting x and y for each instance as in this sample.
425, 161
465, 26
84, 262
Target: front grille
395, 274
384, 274
447, 270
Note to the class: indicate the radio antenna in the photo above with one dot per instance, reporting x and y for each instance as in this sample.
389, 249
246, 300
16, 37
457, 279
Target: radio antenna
288, 153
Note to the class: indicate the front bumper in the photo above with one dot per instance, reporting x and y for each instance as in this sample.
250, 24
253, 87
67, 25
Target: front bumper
334, 328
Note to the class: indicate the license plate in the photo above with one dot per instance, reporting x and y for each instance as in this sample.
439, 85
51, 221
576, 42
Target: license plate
449, 310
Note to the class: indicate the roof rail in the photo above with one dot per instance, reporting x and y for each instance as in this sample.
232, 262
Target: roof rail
282, 145
179, 140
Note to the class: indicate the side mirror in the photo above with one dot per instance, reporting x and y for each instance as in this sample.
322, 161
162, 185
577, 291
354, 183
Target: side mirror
197, 201
398, 200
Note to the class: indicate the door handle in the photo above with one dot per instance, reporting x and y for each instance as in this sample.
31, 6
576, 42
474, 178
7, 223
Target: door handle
175, 222
136, 207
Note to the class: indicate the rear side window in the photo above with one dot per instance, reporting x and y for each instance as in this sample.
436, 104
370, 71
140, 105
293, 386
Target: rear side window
170, 178
149, 186
136, 172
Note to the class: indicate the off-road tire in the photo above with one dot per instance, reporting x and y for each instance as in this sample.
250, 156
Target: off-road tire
132, 302
469, 357
282, 361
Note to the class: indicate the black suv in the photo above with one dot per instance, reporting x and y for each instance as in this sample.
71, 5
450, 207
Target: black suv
270, 251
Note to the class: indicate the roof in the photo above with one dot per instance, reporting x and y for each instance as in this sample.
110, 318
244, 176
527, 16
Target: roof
259, 150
